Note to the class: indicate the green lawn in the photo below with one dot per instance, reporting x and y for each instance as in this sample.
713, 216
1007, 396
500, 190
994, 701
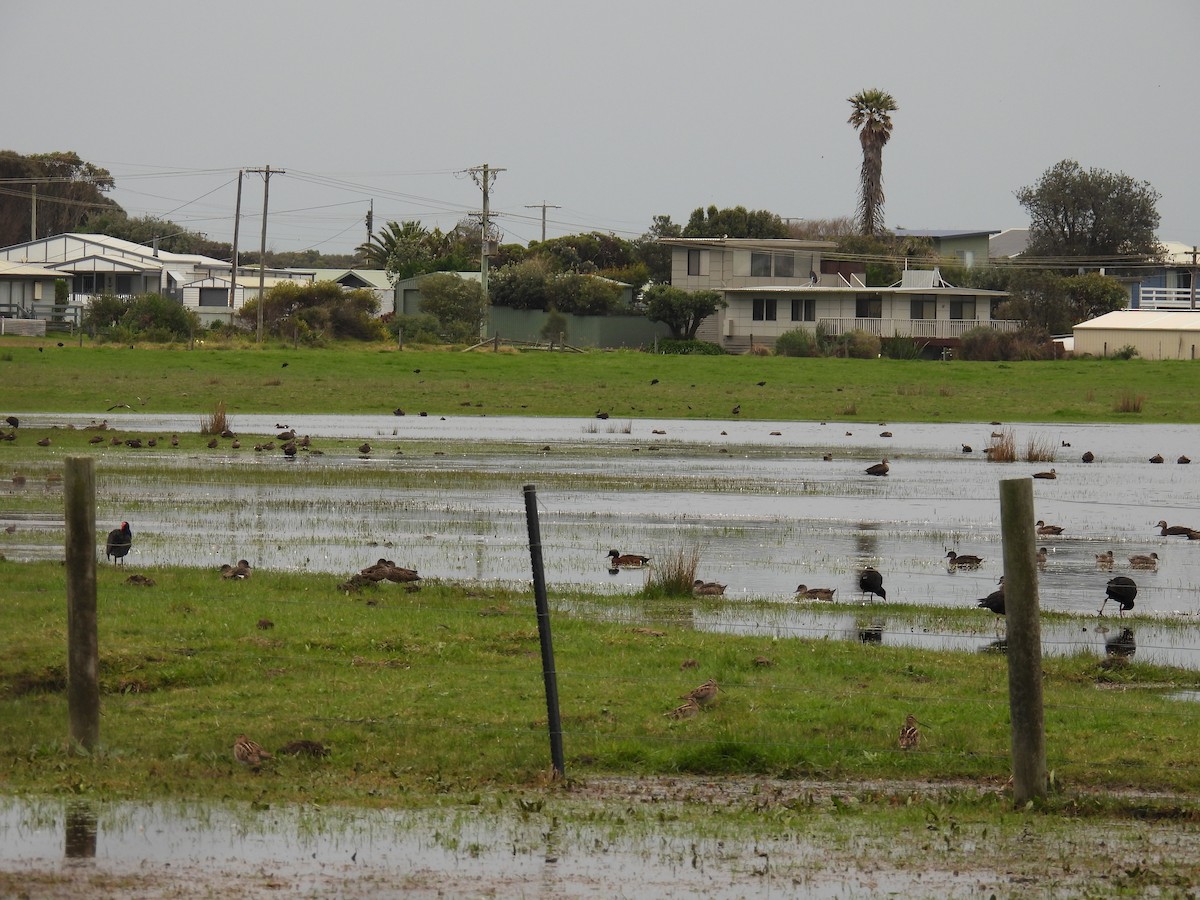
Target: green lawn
283, 381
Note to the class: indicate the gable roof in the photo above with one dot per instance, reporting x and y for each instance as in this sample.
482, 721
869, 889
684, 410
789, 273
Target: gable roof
941, 233
1009, 242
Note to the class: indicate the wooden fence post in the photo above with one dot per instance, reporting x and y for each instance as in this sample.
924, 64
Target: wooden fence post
549, 675
1024, 641
83, 653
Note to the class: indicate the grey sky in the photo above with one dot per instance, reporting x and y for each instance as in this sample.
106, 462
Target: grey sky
613, 111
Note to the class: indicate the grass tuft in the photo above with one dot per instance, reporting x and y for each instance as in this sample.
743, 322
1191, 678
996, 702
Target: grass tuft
1040, 450
1129, 402
1003, 447
673, 574
217, 422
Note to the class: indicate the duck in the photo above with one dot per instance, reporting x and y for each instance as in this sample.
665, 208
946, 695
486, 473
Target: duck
1088, 456
1173, 529
804, 592
1104, 560
1183, 460
880, 468
1050, 474
119, 542
1144, 561
1156, 458
1043, 528
966, 448
707, 588
1042, 556
1121, 590
871, 582
963, 562
617, 560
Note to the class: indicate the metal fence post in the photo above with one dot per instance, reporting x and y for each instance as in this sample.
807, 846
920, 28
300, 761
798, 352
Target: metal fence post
549, 675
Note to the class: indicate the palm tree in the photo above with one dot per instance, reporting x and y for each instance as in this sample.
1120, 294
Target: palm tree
379, 249
870, 117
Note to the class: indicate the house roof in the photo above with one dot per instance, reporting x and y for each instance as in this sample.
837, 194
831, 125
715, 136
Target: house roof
374, 278
941, 233
748, 243
1144, 320
102, 262
28, 270
1009, 242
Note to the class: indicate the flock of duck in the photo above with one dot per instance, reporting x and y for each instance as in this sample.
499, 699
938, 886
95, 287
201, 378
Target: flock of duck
1121, 589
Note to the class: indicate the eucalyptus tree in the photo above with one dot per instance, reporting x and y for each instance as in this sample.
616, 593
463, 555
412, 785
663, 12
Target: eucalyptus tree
871, 115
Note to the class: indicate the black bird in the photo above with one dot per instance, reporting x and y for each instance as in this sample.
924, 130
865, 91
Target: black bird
994, 601
119, 542
880, 468
13, 421
1122, 590
1088, 457
871, 582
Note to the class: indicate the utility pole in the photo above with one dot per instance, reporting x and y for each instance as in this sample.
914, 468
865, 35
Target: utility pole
544, 206
484, 176
370, 223
237, 221
33, 215
266, 173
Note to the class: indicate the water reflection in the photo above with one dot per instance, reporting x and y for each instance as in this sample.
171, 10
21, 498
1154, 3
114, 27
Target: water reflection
80, 829
871, 634
1122, 645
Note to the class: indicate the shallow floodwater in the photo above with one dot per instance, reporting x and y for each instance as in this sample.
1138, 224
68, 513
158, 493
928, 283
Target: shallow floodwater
758, 499
310, 851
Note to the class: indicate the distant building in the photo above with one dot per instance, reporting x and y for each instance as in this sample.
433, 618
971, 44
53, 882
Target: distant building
774, 286
967, 248
1153, 333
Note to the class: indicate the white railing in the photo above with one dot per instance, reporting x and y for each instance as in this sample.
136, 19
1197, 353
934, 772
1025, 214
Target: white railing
1166, 298
917, 328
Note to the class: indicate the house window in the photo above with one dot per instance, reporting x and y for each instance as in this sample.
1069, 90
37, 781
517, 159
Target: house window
868, 306
764, 309
962, 309
804, 309
785, 265
760, 265
697, 262
923, 308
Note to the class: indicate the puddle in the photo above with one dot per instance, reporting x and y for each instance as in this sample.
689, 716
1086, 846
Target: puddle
293, 851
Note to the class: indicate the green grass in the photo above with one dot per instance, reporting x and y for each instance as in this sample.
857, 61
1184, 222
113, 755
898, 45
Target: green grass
441, 690
90, 379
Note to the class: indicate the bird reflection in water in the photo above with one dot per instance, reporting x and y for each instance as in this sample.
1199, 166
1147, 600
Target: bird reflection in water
997, 646
870, 634
1123, 645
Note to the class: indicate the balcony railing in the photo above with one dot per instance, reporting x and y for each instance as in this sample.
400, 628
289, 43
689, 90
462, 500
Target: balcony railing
917, 328
1166, 298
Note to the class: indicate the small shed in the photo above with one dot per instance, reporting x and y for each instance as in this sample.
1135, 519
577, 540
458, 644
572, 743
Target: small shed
1155, 334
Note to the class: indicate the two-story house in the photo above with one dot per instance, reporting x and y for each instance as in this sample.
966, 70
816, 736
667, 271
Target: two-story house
774, 286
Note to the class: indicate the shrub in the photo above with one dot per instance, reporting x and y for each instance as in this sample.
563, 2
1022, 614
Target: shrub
861, 344
157, 318
417, 328
555, 328
797, 342
989, 344
694, 348
1127, 352
899, 347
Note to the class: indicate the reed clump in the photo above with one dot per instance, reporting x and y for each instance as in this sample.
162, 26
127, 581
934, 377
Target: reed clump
1003, 447
217, 422
1040, 450
1129, 402
673, 573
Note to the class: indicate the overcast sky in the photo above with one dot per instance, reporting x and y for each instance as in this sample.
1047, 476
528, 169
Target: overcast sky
612, 112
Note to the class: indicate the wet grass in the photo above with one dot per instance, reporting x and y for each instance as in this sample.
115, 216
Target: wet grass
91, 379
441, 690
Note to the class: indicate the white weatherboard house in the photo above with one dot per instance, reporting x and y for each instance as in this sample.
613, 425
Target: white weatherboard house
774, 286
98, 264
